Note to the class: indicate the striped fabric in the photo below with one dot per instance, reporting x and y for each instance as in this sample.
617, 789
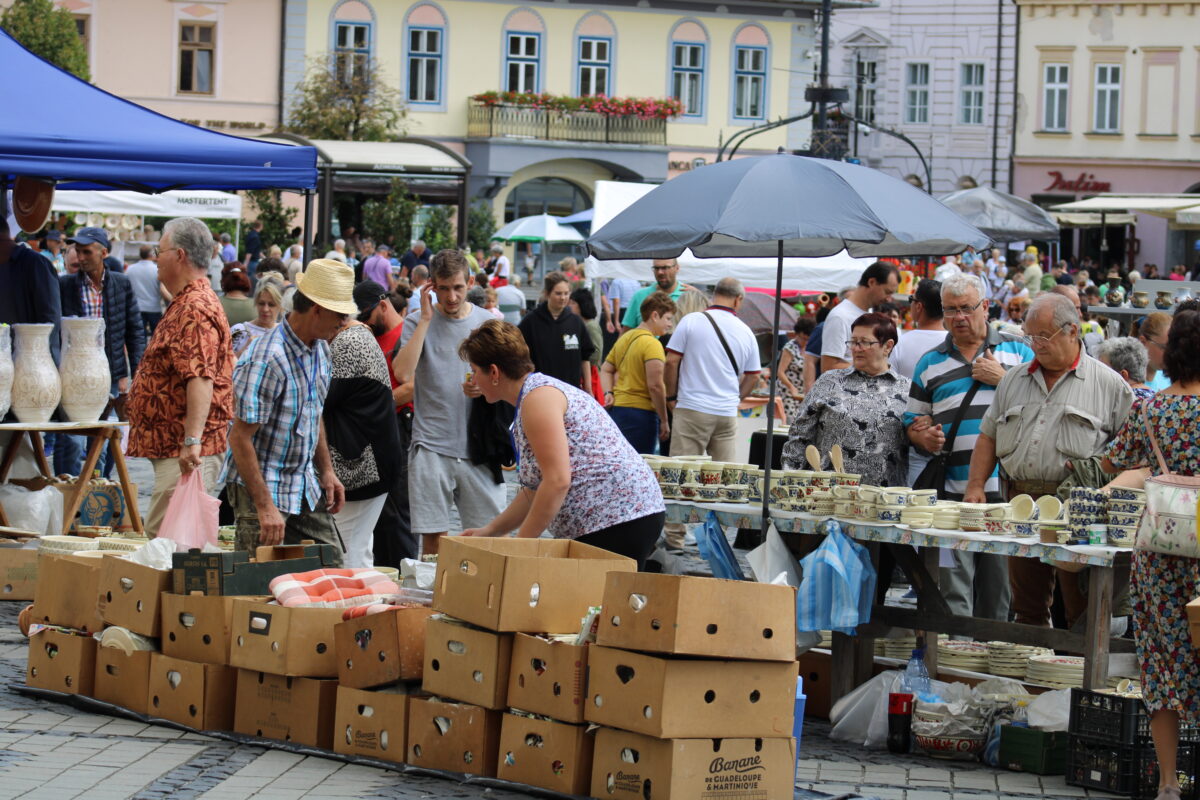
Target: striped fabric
939, 386
280, 384
333, 588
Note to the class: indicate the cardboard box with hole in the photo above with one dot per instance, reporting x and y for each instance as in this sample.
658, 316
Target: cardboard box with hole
530, 585
544, 753
66, 592
628, 766
18, 571
63, 662
299, 710
379, 649
657, 613
233, 573
457, 737
674, 698
548, 677
373, 724
816, 669
200, 696
129, 595
197, 627
283, 640
466, 663
123, 679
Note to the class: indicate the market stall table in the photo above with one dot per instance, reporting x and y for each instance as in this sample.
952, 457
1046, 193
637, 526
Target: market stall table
853, 657
100, 433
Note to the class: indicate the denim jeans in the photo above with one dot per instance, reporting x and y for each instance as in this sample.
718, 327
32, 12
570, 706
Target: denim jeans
637, 425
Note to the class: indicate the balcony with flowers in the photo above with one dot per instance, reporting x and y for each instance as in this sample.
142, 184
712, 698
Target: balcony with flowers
595, 118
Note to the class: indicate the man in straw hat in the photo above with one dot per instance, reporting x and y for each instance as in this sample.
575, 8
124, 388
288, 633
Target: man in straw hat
280, 478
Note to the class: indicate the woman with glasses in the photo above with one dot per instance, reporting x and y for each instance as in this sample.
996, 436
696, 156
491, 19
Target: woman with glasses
268, 303
1153, 334
860, 407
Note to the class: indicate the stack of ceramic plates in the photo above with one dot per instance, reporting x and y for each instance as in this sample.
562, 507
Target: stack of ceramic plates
827, 640
917, 516
971, 656
972, 516
1012, 660
900, 648
66, 544
1057, 672
946, 519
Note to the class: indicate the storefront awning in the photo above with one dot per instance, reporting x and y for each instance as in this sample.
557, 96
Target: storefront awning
1084, 219
407, 156
1160, 205
1188, 216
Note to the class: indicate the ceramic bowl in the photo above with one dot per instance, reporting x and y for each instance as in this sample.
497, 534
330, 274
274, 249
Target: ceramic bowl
688, 491
822, 509
670, 491
1049, 507
890, 513
917, 520
1123, 493
710, 473
1124, 520
735, 493
846, 479
996, 527
926, 498
1126, 507
868, 494
843, 508
1023, 508
709, 492
1121, 535
732, 474
1085, 493
1022, 527
894, 495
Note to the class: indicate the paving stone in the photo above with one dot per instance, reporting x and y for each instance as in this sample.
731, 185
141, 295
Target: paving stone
915, 794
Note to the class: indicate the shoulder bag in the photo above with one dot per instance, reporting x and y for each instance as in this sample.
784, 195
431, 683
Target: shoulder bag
1168, 524
737, 373
934, 474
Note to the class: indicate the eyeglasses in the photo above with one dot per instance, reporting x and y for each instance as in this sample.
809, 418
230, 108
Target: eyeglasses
1035, 341
1159, 345
960, 311
158, 251
862, 344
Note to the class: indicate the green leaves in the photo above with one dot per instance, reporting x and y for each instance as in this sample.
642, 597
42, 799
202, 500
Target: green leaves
50, 32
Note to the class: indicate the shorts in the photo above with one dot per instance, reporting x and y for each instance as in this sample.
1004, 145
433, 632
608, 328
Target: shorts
435, 482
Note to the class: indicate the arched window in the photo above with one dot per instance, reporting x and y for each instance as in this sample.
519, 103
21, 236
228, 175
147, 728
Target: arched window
595, 40
545, 196
353, 21
689, 57
524, 32
751, 54
425, 40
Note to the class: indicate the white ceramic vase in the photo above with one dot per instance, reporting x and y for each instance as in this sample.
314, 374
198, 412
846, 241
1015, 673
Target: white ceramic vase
36, 387
6, 369
86, 379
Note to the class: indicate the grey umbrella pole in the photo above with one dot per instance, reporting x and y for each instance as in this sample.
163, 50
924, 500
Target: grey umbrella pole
770, 444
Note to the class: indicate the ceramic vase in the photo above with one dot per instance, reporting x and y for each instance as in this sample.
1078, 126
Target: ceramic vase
86, 379
36, 385
6, 369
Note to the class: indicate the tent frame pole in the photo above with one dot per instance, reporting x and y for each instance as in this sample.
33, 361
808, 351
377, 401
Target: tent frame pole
769, 449
306, 238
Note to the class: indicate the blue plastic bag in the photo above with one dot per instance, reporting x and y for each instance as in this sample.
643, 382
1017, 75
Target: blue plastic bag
714, 548
837, 589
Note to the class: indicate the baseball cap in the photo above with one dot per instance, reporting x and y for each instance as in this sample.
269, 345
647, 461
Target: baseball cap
90, 235
367, 295
54, 235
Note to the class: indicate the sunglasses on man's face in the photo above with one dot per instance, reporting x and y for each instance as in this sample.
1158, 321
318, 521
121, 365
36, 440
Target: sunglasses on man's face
363, 316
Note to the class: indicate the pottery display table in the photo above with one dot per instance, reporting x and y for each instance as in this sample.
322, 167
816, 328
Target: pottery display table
100, 434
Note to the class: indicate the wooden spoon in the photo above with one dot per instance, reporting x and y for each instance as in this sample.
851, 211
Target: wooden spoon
814, 457
835, 455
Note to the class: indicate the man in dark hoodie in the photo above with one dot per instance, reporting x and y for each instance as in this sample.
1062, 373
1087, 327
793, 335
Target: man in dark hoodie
558, 339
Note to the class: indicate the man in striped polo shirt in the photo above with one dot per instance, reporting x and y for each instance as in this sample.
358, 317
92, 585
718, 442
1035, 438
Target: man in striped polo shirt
973, 354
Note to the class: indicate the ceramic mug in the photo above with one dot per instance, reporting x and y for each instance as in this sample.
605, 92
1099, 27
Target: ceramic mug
997, 511
732, 474
735, 493
925, 498
780, 492
868, 494
670, 471
1049, 507
846, 479
710, 473
822, 480
894, 495
890, 513
689, 491
1023, 508
670, 491
689, 472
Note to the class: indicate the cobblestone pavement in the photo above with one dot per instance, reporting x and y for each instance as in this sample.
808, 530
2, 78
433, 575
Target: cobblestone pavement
55, 751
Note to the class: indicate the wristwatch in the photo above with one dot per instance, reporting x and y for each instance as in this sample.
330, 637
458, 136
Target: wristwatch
188, 441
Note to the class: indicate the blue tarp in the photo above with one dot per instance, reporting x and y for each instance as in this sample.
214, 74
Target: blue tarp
54, 125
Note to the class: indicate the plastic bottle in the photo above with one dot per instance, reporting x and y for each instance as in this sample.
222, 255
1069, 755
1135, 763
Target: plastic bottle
916, 676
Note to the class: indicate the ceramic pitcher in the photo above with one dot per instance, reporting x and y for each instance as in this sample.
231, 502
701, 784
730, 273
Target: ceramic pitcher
36, 385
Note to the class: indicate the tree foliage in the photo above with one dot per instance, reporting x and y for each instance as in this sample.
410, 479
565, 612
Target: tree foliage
275, 216
481, 224
439, 229
48, 31
390, 219
362, 108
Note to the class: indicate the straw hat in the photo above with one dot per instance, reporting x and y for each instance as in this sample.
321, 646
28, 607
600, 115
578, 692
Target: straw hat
329, 284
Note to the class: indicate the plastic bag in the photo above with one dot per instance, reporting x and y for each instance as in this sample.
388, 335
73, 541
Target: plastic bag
32, 510
861, 716
772, 562
1051, 711
838, 587
416, 574
714, 548
192, 516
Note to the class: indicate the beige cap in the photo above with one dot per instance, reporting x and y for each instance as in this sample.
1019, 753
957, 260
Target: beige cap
329, 284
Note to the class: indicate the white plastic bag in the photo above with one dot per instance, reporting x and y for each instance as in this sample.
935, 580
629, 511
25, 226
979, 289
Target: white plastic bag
32, 510
861, 716
416, 574
1051, 711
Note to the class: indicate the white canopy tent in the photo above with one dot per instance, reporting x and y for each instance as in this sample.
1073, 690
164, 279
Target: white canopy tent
197, 203
830, 274
1160, 205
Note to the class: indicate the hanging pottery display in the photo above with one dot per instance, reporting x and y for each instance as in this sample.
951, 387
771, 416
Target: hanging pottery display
36, 385
86, 379
6, 369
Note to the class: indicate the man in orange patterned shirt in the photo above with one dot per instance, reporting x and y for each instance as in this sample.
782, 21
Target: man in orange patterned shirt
182, 399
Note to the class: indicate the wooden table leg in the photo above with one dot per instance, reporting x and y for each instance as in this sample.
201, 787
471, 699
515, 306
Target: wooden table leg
3, 517
99, 438
932, 557
852, 661
131, 501
10, 454
39, 455
1099, 620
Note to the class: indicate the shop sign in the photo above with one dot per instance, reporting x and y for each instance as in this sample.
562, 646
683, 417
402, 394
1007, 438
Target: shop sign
1086, 182
685, 166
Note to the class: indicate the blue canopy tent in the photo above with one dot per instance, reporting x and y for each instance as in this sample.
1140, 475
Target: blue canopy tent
58, 127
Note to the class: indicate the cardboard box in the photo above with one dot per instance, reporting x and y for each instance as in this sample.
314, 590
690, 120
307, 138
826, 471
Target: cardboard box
232, 573
18, 572
550, 755
66, 594
626, 765
453, 736
817, 671
673, 698
123, 679
467, 664
530, 585
63, 662
657, 613
200, 696
379, 649
373, 724
129, 595
197, 627
297, 710
284, 641
548, 677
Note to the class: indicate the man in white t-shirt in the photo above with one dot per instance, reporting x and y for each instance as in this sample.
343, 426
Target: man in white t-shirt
877, 283
926, 311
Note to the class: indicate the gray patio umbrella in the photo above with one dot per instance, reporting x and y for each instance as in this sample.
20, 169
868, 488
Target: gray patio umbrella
784, 205
1001, 216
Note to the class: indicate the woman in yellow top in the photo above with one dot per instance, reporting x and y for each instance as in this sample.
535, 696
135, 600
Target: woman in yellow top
632, 376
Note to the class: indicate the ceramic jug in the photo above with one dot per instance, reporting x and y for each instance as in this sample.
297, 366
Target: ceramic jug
36, 385
86, 379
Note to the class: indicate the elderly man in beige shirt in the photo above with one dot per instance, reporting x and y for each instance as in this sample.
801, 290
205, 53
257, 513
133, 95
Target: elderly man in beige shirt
1064, 405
